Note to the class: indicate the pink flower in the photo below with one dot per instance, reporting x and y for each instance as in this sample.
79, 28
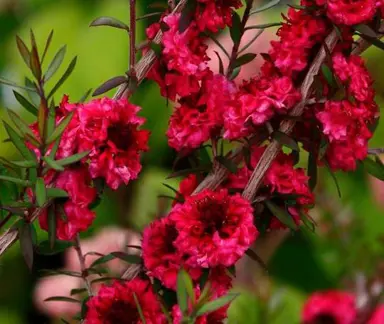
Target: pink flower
186, 187
214, 228
161, 257
351, 12
110, 130
335, 306
116, 304
378, 316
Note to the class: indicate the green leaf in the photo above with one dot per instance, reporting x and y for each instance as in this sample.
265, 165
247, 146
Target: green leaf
281, 214
44, 248
244, 59
235, 73
47, 273
56, 193
17, 181
53, 164
26, 243
65, 76
59, 130
103, 259
52, 226
130, 258
12, 84
312, 171
18, 142
32, 92
41, 193
63, 298
267, 6
73, 158
152, 14
333, 177
182, 293
221, 65
253, 255
235, 29
216, 304
156, 48
286, 140
22, 126
365, 30
375, 168
110, 84
55, 64
227, 163
307, 222
85, 96
186, 172
77, 291
25, 103
374, 41
47, 43
24, 164
55, 147
263, 26
139, 308
51, 122
109, 21
23, 50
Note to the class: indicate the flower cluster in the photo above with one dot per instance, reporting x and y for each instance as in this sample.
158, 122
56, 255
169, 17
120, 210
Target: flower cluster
337, 307
109, 131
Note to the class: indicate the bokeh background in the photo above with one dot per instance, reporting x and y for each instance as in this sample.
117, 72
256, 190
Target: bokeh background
349, 238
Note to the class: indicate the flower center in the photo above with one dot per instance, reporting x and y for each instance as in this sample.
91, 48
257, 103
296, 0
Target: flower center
120, 135
122, 312
170, 235
324, 319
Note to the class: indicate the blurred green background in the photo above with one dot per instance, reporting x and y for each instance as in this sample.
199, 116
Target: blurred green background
349, 232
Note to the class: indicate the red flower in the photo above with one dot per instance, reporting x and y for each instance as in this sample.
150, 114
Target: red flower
335, 306
378, 316
187, 187
72, 216
189, 128
160, 255
116, 304
109, 129
350, 12
214, 228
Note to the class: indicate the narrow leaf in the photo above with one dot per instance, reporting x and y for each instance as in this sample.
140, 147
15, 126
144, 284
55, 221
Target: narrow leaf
130, 258
281, 214
55, 64
216, 304
21, 125
253, 255
235, 73
25, 103
72, 159
286, 140
186, 16
18, 142
267, 6
12, 84
59, 130
235, 29
85, 96
56, 193
312, 171
32, 92
110, 84
229, 164
23, 50
374, 168
263, 26
51, 227
26, 243
109, 21
365, 30
63, 298
152, 14
77, 291
53, 164
333, 178
44, 247
244, 59
47, 43
221, 65
182, 294
65, 76
40, 191
139, 308
103, 259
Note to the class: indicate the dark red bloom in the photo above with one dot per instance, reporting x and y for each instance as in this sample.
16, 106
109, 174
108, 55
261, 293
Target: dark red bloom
350, 12
116, 304
161, 257
214, 228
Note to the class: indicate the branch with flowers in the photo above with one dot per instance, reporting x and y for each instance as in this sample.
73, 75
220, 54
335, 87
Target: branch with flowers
312, 98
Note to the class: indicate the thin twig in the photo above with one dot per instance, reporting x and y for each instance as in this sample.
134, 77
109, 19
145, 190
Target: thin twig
83, 269
132, 36
287, 125
374, 151
251, 41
